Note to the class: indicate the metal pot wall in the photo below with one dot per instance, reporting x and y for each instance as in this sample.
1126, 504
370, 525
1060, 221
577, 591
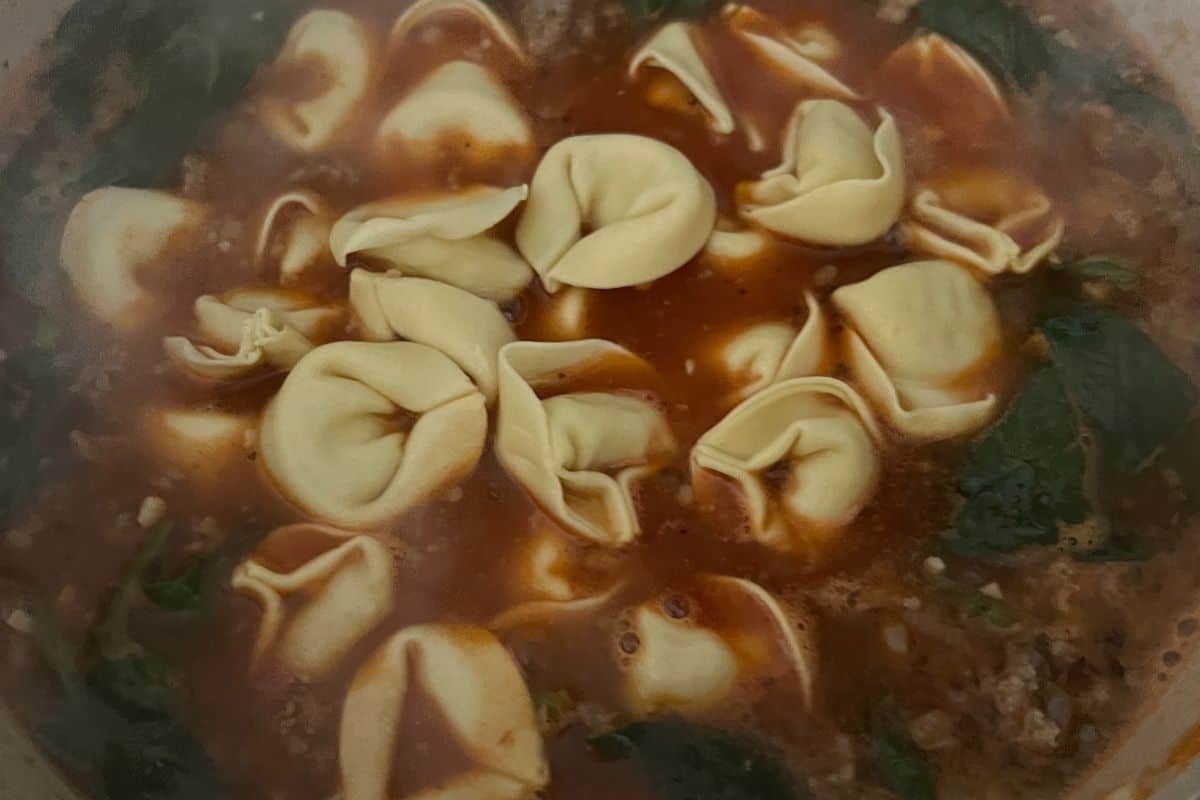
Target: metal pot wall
1159, 759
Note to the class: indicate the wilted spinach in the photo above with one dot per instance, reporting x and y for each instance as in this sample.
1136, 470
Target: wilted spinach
900, 763
684, 761
1110, 269
649, 10
1022, 52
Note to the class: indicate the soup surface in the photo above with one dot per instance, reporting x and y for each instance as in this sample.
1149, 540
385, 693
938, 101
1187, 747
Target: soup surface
576, 400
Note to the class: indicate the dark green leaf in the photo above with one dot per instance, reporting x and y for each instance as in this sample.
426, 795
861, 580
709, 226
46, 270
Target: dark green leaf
901, 765
1119, 547
135, 686
159, 761
649, 10
183, 592
1110, 269
1132, 396
690, 762
1024, 476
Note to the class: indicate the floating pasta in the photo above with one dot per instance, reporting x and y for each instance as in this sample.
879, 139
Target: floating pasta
337, 439
921, 338
614, 210
459, 99
985, 219
468, 676
250, 328
114, 236
581, 454
467, 328
927, 69
801, 457
797, 56
425, 12
443, 236
321, 590
730, 251
697, 645
342, 49
674, 50
770, 352
551, 582
294, 235
203, 445
839, 183
566, 318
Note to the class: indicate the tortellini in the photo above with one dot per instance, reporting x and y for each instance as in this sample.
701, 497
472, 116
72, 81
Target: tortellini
444, 237
798, 56
428, 11
839, 183
467, 328
614, 210
336, 438
568, 314
202, 445
985, 219
321, 591
920, 340
673, 49
294, 235
248, 329
471, 679
928, 69
578, 454
770, 352
459, 98
112, 236
731, 251
801, 455
694, 647
341, 47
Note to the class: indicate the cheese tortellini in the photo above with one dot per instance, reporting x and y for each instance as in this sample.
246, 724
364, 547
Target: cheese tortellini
431, 12
443, 236
473, 681
320, 589
673, 49
460, 98
920, 340
340, 441
647, 208
986, 219
802, 457
839, 184
800, 56
202, 445
112, 237
294, 235
770, 352
340, 45
467, 328
698, 644
579, 454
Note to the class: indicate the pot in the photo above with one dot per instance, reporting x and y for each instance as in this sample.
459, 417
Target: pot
1158, 759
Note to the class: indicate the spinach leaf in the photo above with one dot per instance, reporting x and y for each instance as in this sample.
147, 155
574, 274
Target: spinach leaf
650, 10
184, 592
691, 762
1024, 476
1110, 269
901, 765
1132, 396
135, 686
1022, 52
1120, 546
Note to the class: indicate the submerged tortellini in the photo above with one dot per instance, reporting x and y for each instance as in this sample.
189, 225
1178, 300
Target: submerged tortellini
802, 457
342, 48
713, 636
114, 235
920, 340
673, 49
202, 445
614, 210
800, 56
320, 589
294, 235
839, 184
477, 688
578, 454
340, 439
467, 328
770, 352
432, 11
443, 236
986, 219
460, 98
